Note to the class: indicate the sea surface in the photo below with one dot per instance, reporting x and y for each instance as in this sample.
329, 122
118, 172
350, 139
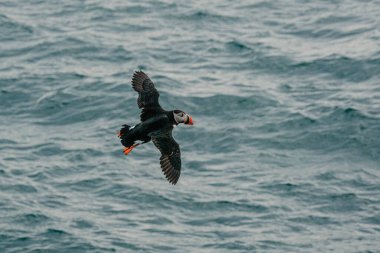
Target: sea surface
284, 155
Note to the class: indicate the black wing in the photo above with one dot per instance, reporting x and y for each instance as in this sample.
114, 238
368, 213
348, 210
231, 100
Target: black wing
148, 95
170, 159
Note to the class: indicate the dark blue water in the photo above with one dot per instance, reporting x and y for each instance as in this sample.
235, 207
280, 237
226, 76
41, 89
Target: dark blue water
284, 156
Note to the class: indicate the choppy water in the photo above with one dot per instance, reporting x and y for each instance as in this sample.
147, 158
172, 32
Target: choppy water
285, 155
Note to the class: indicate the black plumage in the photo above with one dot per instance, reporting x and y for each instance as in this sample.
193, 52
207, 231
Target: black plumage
156, 125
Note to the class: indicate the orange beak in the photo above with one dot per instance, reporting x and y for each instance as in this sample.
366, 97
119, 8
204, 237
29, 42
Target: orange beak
189, 121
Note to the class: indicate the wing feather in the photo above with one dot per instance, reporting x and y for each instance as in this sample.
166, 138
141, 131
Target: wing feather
147, 99
170, 159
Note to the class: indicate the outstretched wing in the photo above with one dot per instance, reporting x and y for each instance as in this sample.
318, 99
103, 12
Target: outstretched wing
170, 159
148, 95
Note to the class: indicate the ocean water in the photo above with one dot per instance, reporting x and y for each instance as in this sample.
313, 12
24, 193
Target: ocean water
284, 156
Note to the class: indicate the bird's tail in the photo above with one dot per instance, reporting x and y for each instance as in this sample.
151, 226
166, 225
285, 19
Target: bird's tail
124, 130
123, 135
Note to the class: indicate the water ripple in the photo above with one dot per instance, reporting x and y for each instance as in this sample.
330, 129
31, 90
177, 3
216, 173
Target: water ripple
284, 155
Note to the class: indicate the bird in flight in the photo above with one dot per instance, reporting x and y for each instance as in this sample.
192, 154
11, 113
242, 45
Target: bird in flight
156, 125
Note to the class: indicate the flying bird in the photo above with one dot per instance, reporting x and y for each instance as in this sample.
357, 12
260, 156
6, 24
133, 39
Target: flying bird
156, 125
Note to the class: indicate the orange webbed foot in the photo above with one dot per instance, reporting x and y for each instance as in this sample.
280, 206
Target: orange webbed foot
129, 149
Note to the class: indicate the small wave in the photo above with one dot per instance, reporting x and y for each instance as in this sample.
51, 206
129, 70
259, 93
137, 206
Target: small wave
206, 15
228, 220
326, 33
315, 220
209, 206
13, 30
32, 219
341, 67
348, 114
202, 16
55, 233
19, 188
85, 184
230, 104
236, 46
263, 5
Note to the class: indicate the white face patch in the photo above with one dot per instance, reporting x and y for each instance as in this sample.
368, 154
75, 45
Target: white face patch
179, 117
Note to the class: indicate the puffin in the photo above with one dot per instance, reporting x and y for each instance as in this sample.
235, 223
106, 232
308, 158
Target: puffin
156, 125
